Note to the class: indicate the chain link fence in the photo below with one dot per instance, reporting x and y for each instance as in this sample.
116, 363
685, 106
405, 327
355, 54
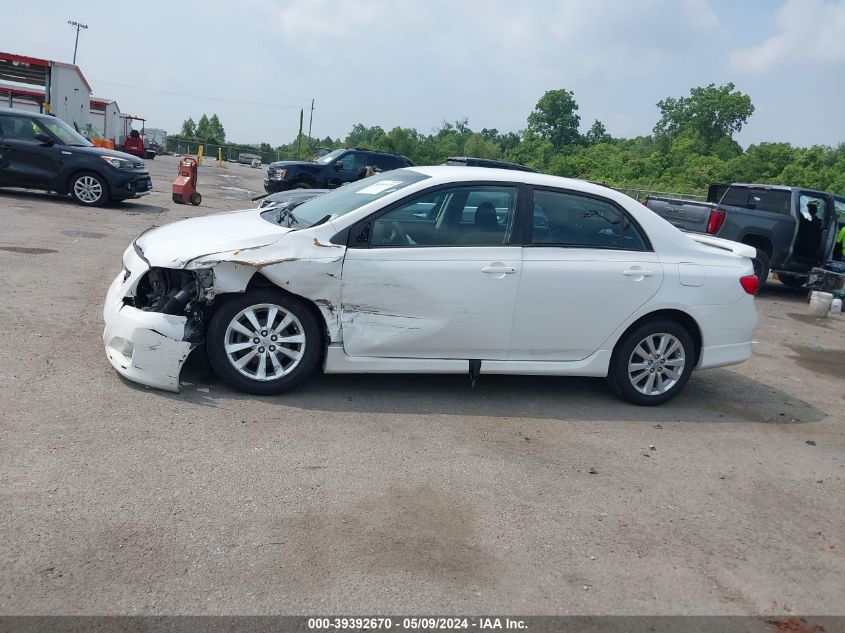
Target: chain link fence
230, 152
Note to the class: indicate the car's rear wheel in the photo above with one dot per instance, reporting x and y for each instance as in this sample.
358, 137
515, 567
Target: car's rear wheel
762, 264
264, 342
653, 362
89, 189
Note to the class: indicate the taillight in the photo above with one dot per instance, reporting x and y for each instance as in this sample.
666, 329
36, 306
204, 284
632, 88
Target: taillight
717, 219
750, 284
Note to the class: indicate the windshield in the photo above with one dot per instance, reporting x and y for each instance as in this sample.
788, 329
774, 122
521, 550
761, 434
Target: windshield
66, 134
325, 160
354, 196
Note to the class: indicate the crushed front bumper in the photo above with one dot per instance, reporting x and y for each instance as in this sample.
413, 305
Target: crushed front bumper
145, 347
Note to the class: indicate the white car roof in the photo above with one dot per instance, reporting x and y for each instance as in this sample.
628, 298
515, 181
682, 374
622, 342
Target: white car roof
455, 173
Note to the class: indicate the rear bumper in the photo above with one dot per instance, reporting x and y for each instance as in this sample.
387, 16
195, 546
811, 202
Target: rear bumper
726, 331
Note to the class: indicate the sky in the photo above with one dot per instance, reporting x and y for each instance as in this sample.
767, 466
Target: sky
414, 63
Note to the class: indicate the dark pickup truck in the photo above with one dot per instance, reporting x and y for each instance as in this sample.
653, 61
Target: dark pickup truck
331, 170
793, 229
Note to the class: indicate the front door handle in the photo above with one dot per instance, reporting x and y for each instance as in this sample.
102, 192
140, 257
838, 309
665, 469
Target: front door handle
499, 270
638, 272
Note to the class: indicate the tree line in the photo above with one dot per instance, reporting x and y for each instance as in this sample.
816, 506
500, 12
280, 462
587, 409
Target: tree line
691, 145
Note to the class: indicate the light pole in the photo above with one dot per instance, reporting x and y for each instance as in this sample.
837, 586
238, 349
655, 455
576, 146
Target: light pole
77, 26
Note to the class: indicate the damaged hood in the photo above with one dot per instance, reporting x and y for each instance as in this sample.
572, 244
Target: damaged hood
174, 245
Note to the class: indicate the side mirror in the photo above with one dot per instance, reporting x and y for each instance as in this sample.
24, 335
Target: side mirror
44, 139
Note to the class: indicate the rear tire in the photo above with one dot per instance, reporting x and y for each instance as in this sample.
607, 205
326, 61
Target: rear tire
196, 199
762, 265
89, 189
289, 343
652, 363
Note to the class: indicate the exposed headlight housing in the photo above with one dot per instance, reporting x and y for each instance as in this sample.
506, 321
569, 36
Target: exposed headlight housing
278, 174
119, 163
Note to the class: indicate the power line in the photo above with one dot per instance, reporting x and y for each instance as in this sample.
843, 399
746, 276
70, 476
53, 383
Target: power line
195, 96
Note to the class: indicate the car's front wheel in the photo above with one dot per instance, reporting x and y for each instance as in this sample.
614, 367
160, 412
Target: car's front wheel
264, 342
652, 363
89, 189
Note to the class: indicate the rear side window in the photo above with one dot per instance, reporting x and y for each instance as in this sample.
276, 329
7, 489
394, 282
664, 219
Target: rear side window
565, 219
759, 199
384, 162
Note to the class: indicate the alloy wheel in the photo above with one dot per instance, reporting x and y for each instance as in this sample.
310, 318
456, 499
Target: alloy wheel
88, 189
656, 364
264, 342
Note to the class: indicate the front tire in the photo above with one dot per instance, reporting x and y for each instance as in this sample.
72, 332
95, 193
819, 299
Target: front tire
89, 189
652, 363
264, 342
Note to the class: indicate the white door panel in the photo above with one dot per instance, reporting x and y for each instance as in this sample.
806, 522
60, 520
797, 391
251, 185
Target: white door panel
571, 299
437, 302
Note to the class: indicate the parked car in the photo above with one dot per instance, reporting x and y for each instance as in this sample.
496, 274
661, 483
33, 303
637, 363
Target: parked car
331, 170
416, 270
284, 199
776, 221
469, 161
38, 151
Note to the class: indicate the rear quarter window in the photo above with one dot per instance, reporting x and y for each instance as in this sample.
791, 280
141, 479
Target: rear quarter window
759, 199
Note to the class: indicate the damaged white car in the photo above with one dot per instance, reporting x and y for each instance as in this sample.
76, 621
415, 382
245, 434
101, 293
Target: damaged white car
438, 270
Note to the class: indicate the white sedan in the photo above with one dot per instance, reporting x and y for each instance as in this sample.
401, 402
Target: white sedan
435, 270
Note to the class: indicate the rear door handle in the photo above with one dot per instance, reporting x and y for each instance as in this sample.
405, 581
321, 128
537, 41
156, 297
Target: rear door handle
499, 270
638, 272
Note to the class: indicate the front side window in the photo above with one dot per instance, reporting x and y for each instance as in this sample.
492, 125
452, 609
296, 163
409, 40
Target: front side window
65, 133
839, 205
565, 219
20, 128
456, 216
811, 206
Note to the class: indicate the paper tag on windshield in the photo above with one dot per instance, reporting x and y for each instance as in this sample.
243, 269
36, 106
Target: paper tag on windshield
380, 187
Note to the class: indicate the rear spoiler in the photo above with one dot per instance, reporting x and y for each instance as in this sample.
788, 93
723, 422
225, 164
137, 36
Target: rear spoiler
743, 250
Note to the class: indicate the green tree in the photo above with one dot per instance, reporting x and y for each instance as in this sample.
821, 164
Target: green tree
708, 115
189, 128
216, 129
555, 118
596, 134
203, 130
479, 147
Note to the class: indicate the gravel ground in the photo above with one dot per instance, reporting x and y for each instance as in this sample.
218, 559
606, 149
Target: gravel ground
396, 494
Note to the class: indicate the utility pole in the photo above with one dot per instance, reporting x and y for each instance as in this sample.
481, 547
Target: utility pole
77, 26
299, 138
310, 120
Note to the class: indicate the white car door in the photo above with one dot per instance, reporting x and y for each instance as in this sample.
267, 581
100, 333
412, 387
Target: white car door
434, 277
586, 268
